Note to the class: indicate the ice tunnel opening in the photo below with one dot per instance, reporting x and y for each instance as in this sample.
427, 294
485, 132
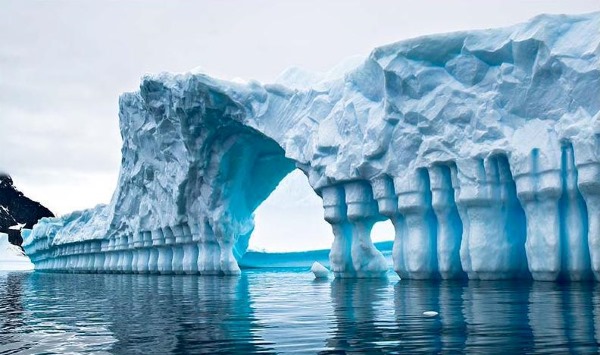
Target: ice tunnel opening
290, 219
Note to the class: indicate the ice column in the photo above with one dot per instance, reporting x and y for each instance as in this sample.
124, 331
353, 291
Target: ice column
340, 256
127, 266
197, 240
178, 252
513, 217
449, 229
539, 187
419, 245
226, 241
70, 257
589, 185
135, 244
576, 257
190, 251
120, 247
64, 264
112, 256
208, 254
78, 257
98, 256
89, 256
145, 263
105, 247
164, 262
362, 214
151, 251
487, 250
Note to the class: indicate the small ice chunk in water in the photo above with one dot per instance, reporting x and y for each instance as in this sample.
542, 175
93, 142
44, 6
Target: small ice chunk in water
319, 270
430, 314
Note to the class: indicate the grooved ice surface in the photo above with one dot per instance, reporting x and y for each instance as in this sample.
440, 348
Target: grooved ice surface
481, 147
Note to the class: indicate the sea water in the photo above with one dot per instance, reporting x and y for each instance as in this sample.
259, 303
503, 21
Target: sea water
286, 311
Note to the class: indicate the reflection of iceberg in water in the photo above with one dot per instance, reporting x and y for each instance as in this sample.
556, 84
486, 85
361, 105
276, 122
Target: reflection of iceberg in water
357, 314
50, 313
127, 314
292, 318
561, 315
283, 311
485, 317
496, 314
184, 315
411, 299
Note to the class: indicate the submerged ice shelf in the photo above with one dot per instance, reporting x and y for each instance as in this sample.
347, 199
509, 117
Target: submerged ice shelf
481, 147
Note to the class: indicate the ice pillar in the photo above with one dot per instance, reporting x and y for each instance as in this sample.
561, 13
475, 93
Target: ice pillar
362, 214
135, 245
539, 187
189, 250
178, 251
127, 263
340, 256
164, 262
208, 249
449, 228
226, 240
152, 252
589, 185
574, 222
145, 262
486, 200
419, 245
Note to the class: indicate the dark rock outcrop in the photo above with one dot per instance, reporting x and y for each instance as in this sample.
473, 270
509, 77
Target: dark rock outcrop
16, 208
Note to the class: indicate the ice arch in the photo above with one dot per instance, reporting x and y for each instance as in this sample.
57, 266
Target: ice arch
245, 168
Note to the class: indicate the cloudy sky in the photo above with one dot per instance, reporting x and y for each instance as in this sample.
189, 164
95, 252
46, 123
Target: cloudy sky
63, 65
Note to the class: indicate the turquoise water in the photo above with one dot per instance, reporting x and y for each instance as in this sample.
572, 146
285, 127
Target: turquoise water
284, 311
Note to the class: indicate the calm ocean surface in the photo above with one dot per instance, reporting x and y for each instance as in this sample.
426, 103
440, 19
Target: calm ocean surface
284, 311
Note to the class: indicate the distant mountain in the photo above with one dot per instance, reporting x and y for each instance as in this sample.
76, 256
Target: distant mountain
17, 210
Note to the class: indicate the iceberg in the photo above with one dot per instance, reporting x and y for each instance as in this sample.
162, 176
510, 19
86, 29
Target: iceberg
481, 147
319, 270
12, 257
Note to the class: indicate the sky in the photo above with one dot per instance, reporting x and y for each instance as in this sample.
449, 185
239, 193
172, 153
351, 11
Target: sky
63, 65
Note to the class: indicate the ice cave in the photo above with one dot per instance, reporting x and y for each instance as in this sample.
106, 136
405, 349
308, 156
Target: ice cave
481, 147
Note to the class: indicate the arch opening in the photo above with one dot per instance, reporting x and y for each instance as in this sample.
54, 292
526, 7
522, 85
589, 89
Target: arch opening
289, 227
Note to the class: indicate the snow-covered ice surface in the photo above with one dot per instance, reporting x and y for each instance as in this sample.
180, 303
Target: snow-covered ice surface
12, 257
482, 148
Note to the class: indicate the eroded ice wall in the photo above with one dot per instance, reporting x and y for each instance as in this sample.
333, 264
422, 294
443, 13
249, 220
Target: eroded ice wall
481, 147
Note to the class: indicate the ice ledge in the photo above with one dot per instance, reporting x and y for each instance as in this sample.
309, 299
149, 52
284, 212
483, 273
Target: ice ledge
481, 147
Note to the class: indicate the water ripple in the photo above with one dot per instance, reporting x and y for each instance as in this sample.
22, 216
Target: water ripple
286, 311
